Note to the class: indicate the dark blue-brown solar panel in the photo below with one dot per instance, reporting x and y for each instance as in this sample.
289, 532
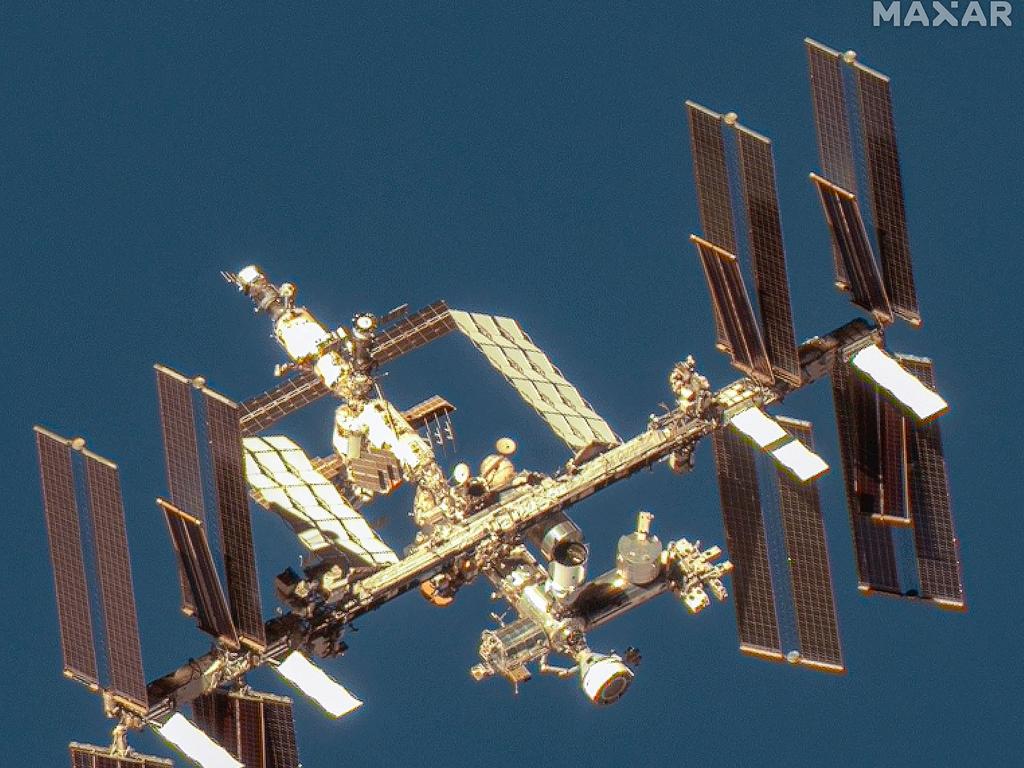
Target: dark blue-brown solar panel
181, 454
196, 562
768, 256
225, 438
878, 133
935, 542
64, 532
115, 580
850, 239
753, 593
856, 405
809, 569
729, 296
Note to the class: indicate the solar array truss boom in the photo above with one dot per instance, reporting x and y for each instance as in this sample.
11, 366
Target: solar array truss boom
510, 525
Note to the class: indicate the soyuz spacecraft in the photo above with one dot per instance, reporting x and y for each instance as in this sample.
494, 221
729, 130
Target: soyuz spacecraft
509, 525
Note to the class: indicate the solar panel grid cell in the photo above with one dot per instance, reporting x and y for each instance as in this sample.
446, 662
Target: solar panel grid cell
810, 572
279, 731
115, 580
235, 524
753, 593
831, 121
181, 454
768, 254
857, 417
887, 200
711, 177
196, 562
936, 544
729, 295
65, 537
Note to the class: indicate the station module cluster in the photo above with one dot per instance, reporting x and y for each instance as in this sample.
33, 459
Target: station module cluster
510, 525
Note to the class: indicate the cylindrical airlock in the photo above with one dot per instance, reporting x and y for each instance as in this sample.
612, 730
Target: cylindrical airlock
639, 553
552, 532
567, 569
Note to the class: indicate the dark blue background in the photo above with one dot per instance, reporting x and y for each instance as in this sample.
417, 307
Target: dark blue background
519, 160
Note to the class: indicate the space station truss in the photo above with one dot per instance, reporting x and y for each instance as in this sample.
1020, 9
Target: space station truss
514, 355
285, 479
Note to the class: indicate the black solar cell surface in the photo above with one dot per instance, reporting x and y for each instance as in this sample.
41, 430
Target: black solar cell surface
753, 593
856, 407
89, 756
711, 177
225, 438
64, 532
196, 562
181, 454
768, 255
888, 206
729, 296
850, 239
832, 123
810, 572
938, 551
279, 731
115, 580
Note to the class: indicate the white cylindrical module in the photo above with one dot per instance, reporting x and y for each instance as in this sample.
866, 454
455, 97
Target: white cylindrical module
639, 558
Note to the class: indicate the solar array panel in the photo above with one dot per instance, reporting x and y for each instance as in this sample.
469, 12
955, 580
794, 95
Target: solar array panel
768, 257
181, 454
89, 756
936, 545
256, 728
714, 202
888, 207
64, 532
284, 479
296, 392
409, 333
729, 296
831, 115
753, 593
857, 405
896, 475
837, 100
711, 174
850, 238
196, 563
513, 354
810, 573
429, 410
412, 332
114, 569
279, 733
223, 431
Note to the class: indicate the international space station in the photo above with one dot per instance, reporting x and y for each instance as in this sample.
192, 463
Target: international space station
508, 524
